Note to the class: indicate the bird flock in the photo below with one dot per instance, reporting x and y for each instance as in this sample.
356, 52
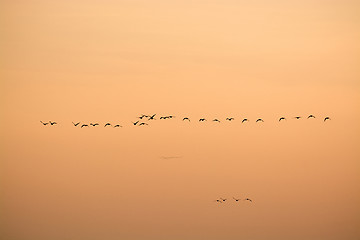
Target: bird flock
144, 120
223, 200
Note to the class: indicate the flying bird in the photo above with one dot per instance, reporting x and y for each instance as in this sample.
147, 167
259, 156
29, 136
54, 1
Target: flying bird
259, 120
311, 116
117, 125
244, 120
216, 120
107, 124
84, 125
202, 119
76, 124
44, 123
142, 116
223, 199
134, 123
152, 117
52, 123
163, 117
186, 118
94, 124
247, 199
143, 124
219, 201
230, 119
282, 118
297, 117
236, 199
327, 118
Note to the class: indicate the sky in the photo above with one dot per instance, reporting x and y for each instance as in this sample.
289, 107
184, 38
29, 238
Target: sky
111, 61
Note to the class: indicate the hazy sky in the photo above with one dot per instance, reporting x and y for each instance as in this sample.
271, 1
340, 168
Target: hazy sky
99, 61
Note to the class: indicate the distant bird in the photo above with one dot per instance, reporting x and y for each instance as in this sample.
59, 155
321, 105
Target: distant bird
76, 124
259, 120
229, 119
216, 120
311, 116
152, 117
52, 123
84, 125
171, 116
244, 120
236, 199
163, 117
94, 124
219, 201
223, 199
44, 123
142, 116
327, 118
134, 123
143, 124
247, 199
297, 117
282, 118
107, 124
202, 119
117, 125
186, 118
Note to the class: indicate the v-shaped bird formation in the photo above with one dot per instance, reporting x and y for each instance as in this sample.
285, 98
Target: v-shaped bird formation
144, 117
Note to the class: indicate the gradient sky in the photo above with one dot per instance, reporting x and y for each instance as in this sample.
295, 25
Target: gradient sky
99, 61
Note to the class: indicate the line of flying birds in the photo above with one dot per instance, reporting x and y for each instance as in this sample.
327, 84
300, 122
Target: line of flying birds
223, 200
152, 117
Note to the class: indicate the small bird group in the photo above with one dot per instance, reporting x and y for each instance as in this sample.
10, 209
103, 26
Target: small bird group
310, 116
167, 117
150, 117
223, 200
50, 122
95, 124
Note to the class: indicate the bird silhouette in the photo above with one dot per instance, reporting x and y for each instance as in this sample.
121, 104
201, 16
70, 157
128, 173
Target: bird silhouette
142, 116
163, 117
141, 124
52, 123
236, 199
171, 116
94, 124
244, 120
134, 123
327, 118
247, 199
186, 118
202, 119
84, 125
282, 118
297, 117
223, 199
229, 119
219, 201
107, 124
216, 120
117, 125
152, 117
311, 116
259, 120
44, 123
76, 124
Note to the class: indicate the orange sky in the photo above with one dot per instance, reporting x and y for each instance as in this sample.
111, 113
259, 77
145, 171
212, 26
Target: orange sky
99, 61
